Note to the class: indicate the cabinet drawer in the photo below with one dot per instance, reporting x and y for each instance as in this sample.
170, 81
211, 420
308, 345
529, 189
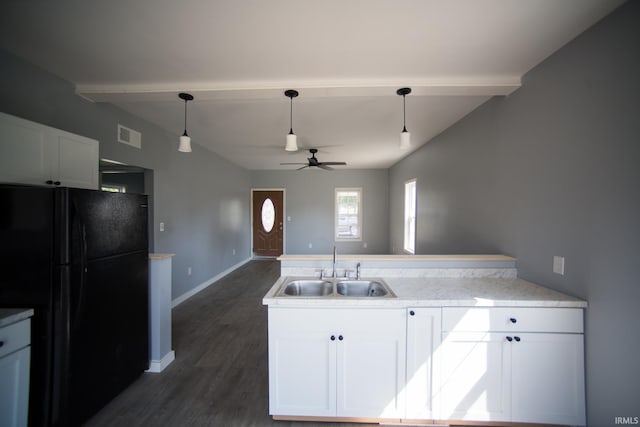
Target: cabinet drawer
15, 336
517, 319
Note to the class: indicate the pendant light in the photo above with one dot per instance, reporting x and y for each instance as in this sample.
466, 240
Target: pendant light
292, 144
185, 140
405, 137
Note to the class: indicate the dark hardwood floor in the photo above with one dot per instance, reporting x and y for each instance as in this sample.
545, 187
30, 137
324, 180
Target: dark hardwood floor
219, 376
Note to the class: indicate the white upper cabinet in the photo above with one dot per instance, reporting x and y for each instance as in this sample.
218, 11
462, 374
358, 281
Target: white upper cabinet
32, 153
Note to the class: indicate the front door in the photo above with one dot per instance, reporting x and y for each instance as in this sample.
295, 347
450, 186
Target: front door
267, 222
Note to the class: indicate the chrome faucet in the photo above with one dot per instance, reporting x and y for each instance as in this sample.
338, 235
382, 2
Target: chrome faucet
358, 271
334, 274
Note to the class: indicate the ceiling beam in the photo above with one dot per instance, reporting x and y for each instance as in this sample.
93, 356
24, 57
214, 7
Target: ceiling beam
249, 92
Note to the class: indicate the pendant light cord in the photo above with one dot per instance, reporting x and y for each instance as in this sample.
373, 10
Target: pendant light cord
185, 118
291, 115
404, 113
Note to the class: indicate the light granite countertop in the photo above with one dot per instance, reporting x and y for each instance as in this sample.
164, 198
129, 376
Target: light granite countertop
13, 315
394, 257
441, 292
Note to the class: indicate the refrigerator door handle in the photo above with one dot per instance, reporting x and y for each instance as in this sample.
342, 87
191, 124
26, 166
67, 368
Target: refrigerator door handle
77, 317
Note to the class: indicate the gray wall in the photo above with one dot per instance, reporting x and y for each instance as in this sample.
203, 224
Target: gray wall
553, 169
310, 204
202, 198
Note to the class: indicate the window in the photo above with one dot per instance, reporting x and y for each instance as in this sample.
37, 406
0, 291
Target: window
268, 215
410, 216
114, 188
348, 214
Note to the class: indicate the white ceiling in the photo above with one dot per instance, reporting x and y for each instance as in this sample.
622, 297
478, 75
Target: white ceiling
347, 58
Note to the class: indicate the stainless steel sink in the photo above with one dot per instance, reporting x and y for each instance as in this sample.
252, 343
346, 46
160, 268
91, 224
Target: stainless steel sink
335, 288
308, 288
361, 288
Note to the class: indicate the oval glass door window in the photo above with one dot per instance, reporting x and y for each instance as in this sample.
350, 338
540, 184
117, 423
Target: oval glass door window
268, 215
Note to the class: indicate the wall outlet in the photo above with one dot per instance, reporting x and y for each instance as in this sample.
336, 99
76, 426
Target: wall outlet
162, 226
188, 271
365, 245
310, 245
233, 252
558, 265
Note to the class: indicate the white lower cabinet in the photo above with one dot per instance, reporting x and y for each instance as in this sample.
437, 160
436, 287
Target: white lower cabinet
547, 378
493, 364
336, 362
517, 365
423, 346
474, 377
15, 358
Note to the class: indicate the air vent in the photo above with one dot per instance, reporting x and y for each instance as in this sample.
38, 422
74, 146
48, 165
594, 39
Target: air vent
129, 136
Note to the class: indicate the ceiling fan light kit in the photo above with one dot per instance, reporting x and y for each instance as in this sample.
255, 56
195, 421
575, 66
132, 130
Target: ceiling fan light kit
291, 144
405, 136
185, 140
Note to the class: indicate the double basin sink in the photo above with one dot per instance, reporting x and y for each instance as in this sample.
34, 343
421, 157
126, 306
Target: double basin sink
359, 288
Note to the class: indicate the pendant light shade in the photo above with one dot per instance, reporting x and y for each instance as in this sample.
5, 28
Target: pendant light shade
405, 136
405, 140
292, 144
185, 140
185, 144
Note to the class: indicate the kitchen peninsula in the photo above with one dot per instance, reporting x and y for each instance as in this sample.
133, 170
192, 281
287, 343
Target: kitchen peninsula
463, 338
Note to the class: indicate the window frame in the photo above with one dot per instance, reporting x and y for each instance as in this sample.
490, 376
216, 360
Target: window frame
410, 218
336, 214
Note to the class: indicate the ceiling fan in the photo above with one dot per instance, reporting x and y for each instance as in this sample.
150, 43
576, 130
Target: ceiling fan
313, 162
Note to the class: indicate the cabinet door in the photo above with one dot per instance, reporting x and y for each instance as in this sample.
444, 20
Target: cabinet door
77, 160
302, 363
423, 343
14, 388
548, 379
475, 384
25, 152
32, 153
371, 363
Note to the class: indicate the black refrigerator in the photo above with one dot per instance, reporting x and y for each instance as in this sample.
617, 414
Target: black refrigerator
79, 258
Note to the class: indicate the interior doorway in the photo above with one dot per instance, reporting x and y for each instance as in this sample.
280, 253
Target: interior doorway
123, 178
267, 222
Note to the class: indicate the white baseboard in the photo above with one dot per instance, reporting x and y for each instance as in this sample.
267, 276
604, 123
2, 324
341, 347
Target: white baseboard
159, 365
182, 298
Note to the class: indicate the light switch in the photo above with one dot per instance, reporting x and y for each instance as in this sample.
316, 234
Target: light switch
162, 226
558, 265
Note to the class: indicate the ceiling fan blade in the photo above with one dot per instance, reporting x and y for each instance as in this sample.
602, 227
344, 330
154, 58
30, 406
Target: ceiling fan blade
324, 166
283, 164
306, 166
335, 163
